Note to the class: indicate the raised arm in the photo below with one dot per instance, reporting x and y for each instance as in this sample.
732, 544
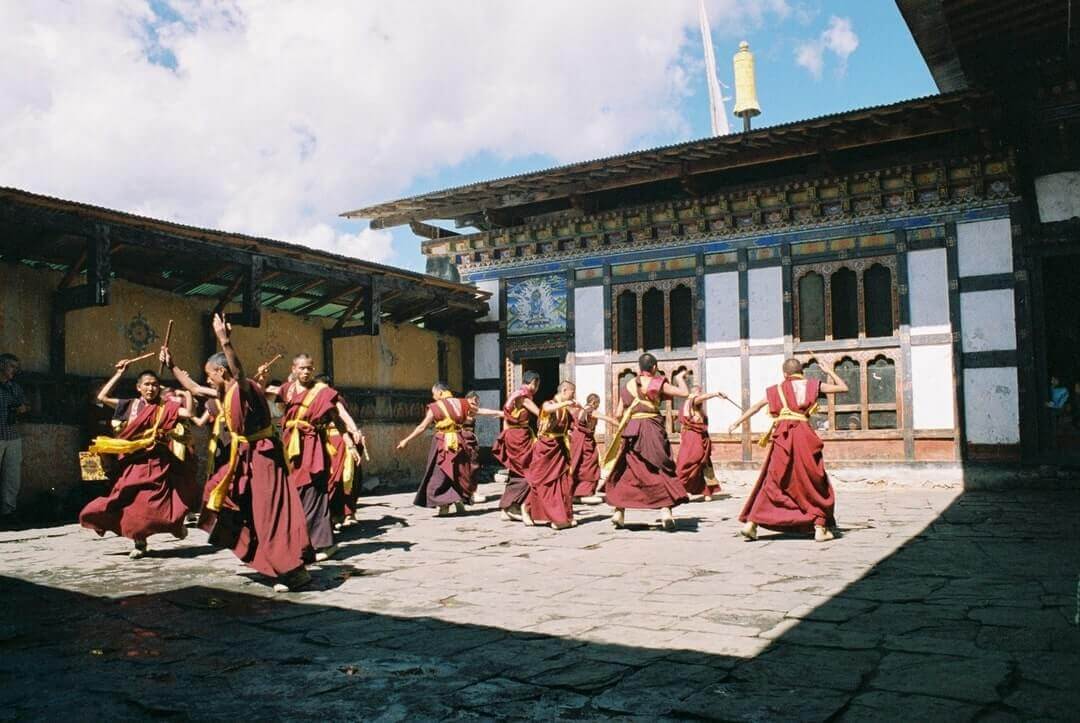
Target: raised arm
424, 423
835, 385
183, 377
553, 406
750, 411
223, 332
103, 395
676, 387
187, 410
202, 420
483, 412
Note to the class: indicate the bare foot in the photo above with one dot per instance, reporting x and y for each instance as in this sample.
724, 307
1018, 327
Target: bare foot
823, 534
667, 521
139, 551
592, 500
749, 531
525, 517
326, 553
561, 525
619, 518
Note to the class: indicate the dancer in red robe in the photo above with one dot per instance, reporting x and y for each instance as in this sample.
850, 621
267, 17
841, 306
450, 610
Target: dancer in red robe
550, 495
514, 445
584, 460
154, 490
346, 471
310, 408
446, 478
694, 466
792, 493
471, 443
251, 507
637, 463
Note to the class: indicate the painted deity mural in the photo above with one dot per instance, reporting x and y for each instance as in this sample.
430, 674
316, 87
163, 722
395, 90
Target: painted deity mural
536, 305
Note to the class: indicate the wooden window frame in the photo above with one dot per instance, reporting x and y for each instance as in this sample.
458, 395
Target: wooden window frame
665, 286
863, 358
826, 270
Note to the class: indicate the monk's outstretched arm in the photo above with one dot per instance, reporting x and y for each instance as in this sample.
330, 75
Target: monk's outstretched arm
202, 420
483, 412
553, 406
835, 385
530, 405
604, 418
103, 395
223, 332
183, 377
751, 411
187, 410
424, 423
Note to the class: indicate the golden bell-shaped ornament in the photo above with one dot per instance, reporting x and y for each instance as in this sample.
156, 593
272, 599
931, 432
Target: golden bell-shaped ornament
746, 102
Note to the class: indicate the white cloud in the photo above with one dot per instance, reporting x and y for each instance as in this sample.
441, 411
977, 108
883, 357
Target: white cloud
271, 118
838, 38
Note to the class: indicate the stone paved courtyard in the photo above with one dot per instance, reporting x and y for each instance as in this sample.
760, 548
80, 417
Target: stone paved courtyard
934, 605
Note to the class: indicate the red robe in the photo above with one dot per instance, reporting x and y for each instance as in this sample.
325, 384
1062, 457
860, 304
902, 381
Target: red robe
446, 478
343, 503
548, 476
513, 448
154, 491
694, 464
643, 475
304, 437
584, 461
467, 435
792, 493
274, 538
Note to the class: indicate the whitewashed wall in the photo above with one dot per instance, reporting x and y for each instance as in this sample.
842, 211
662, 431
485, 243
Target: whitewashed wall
491, 287
723, 374
1058, 196
932, 391
589, 321
589, 379
722, 310
928, 291
487, 428
988, 324
486, 362
765, 293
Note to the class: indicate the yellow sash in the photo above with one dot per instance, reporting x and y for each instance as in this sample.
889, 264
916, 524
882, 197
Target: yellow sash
786, 414
545, 422
146, 440
217, 495
615, 446
447, 426
348, 473
300, 423
215, 439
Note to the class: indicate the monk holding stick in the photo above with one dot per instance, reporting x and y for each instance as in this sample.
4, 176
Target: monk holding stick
584, 460
472, 444
153, 494
311, 407
694, 466
550, 494
792, 493
251, 507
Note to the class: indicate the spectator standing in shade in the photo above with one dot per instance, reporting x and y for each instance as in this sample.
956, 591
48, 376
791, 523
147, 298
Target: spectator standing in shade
12, 403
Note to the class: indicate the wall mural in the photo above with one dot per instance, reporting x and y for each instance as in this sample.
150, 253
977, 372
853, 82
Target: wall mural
536, 305
139, 333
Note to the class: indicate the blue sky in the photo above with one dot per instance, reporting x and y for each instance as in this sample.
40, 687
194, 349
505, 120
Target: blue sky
885, 68
272, 118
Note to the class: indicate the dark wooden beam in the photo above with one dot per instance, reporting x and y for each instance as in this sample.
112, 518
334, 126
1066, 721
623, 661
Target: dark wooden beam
229, 293
298, 291
206, 278
428, 230
326, 299
350, 310
74, 270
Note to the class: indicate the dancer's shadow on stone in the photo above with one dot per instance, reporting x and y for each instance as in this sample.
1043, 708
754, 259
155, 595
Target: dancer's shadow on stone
349, 550
371, 528
682, 524
185, 552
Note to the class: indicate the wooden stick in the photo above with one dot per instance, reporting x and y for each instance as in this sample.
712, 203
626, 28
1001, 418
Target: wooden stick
271, 362
168, 334
147, 355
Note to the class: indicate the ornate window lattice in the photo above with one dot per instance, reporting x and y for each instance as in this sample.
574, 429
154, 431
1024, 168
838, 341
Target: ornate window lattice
655, 315
851, 299
872, 401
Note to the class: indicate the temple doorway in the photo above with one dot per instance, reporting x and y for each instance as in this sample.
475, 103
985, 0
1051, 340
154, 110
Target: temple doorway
1059, 396
548, 369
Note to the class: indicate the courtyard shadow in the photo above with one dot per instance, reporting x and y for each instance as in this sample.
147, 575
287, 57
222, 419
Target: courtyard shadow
965, 621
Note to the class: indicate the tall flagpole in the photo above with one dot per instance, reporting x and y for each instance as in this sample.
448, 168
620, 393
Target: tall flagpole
716, 99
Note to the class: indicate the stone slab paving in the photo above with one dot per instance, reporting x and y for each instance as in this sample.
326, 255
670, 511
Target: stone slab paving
933, 605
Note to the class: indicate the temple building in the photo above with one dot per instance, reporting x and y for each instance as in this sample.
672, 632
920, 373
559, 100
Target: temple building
923, 249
